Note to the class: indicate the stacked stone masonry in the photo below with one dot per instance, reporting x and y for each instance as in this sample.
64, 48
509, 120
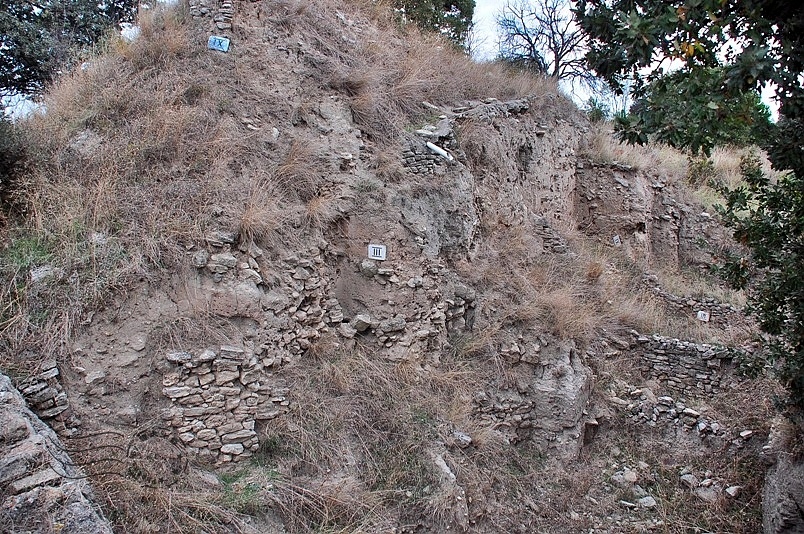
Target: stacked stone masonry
419, 158
218, 396
221, 13
43, 392
682, 366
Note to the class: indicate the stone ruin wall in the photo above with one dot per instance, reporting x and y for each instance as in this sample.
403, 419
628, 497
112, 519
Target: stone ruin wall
683, 367
720, 314
43, 391
217, 397
221, 12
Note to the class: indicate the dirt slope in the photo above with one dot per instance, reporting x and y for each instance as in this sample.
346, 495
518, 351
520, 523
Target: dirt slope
237, 359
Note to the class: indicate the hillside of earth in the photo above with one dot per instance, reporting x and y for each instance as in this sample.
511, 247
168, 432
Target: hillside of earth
341, 278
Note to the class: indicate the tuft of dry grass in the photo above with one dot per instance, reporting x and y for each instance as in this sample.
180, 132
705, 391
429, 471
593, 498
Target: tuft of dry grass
297, 174
263, 214
601, 146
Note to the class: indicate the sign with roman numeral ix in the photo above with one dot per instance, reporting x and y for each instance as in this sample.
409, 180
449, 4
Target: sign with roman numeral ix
218, 43
377, 252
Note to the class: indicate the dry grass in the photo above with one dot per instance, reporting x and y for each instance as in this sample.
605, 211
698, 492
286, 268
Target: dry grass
602, 147
388, 75
263, 215
297, 174
358, 441
573, 296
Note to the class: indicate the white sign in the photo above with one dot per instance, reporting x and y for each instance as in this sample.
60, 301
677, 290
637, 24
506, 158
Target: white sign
703, 316
617, 240
216, 42
377, 252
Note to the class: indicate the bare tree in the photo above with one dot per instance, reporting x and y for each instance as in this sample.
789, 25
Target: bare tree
542, 35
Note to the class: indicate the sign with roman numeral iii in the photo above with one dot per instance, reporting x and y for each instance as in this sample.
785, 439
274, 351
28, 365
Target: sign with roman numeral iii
377, 252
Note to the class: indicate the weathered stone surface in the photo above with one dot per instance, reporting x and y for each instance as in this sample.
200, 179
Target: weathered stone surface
647, 502
43, 486
220, 237
395, 324
176, 392
361, 322
232, 448
14, 427
39, 478
179, 357
783, 496
200, 258
224, 377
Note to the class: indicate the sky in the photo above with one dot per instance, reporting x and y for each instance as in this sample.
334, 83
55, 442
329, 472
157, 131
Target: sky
485, 28
486, 12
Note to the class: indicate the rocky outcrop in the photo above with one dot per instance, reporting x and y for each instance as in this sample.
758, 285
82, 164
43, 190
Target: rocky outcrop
639, 212
547, 401
42, 490
783, 494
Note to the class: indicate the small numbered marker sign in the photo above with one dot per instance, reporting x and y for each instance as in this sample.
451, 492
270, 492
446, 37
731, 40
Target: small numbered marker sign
703, 316
377, 252
617, 240
218, 43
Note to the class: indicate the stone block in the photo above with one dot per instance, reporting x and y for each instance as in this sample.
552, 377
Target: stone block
238, 436
178, 357
177, 392
206, 434
225, 377
232, 448
40, 478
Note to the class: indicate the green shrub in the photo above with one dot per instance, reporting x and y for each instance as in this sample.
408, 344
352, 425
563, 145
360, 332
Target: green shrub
12, 156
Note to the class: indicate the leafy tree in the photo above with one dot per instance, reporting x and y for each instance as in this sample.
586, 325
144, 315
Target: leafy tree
12, 156
37, 38
450, 17
25, 61
725, 48
769, 217
674, 106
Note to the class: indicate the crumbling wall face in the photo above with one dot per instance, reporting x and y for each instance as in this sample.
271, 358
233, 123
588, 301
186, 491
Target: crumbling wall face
544, 398
629, 209
44, 393
612, 202
694, 369
644, 215
217, 397
524, 159
41, 490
